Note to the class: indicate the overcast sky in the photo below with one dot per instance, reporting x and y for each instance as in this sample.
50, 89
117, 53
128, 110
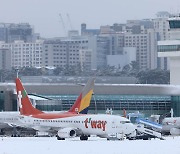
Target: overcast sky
44, 14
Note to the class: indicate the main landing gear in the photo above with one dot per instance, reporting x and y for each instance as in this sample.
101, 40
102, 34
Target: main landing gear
84, 137
59, 138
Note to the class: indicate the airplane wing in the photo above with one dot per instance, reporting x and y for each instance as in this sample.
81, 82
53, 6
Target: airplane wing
10, 124
62, 132
44, 128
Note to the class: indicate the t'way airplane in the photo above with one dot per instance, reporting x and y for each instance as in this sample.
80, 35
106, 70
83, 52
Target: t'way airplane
73, 122
11, 119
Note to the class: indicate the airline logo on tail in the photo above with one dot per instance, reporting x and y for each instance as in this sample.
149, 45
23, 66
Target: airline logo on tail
24, 103
19, 99
83, 101
80, 106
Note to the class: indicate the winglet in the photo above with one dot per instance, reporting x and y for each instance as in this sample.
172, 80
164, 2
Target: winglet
23, 100
83, 101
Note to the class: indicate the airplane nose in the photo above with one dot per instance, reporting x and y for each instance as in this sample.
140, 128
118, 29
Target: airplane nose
130, 128
133, 127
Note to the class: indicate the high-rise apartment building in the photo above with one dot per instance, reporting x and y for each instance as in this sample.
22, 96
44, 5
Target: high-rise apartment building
10, 32
85, 59
88, 32
136, 34
24, 54
161, 25
100, 46
5, 59
141, 35
67, 52
146, 48
103, 45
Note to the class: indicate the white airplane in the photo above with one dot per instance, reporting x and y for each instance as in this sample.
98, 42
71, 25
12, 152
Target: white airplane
12, 119
73, 123
172, 125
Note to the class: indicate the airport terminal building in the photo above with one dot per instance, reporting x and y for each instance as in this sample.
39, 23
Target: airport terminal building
148, 99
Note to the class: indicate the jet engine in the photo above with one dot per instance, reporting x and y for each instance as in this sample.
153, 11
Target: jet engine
175, 131
66, 133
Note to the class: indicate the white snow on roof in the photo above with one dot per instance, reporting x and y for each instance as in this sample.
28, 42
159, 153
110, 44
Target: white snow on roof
36, 97
49, 145
169, 42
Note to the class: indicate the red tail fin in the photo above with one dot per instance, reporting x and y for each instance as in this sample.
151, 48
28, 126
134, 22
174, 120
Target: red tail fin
24, 103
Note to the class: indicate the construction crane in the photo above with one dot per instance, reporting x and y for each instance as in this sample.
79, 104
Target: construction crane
63, 25
68, 17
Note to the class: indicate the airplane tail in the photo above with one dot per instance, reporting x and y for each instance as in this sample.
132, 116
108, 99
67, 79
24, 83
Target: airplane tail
83, 101
24, 102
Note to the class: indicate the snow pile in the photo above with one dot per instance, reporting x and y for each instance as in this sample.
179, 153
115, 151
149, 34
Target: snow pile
32, 145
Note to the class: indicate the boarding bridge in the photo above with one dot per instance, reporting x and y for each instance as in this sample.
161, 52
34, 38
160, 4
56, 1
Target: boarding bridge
146, 133
152, 131
148, 123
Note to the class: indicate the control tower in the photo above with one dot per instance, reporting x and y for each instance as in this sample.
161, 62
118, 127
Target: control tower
171, 48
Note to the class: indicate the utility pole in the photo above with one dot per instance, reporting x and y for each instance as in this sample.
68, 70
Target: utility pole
95, 104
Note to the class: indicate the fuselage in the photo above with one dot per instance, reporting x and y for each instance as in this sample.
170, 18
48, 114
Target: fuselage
10, 119
88, 124
169, 123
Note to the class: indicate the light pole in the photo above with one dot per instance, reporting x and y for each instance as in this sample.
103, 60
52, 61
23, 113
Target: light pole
95, 104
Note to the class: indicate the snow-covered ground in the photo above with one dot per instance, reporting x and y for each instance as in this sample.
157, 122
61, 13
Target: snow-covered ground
49, 145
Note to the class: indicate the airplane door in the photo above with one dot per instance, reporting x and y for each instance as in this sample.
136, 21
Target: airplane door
120, 127
115, 129
114, 126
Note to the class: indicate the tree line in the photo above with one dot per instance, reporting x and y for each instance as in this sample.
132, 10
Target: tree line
156, 76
